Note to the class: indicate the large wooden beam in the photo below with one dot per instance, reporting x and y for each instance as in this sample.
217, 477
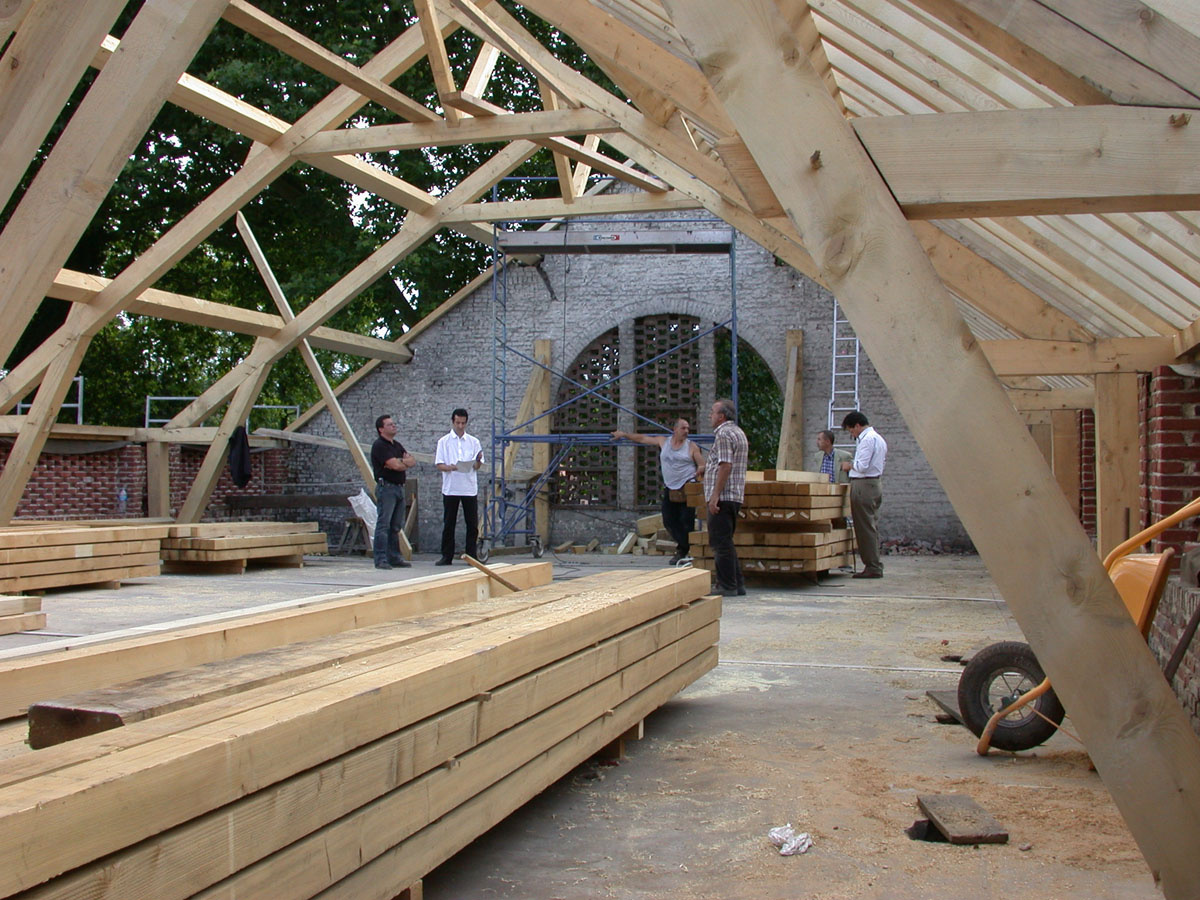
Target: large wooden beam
791, 433
531, 125
79, 287
1135, 731
1055, 51
90, 153
38, 72
1141, 33
1065, 444
1031, 357
1030, 162
1061, 399
553, 208
1118, 471
541, 451
993, 292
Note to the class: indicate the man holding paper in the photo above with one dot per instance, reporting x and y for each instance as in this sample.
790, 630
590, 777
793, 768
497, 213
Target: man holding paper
458, 457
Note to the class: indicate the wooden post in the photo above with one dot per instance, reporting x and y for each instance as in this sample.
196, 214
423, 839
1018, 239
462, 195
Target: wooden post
1065, 450
158, 479
1118, 464
791, 430
541, 451
1135, 730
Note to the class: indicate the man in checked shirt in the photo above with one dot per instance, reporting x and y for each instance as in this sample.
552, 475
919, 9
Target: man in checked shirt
725, 491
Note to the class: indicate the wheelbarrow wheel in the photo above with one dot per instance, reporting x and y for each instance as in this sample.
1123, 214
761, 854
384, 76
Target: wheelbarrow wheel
484, 549
995, 677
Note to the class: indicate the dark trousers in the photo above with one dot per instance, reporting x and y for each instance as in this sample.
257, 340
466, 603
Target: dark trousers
389, 519
720, 537
470, 508
678, 518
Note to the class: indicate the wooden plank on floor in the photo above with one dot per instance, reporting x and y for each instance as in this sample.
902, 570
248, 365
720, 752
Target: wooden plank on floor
22, 622
961, 819
19, 555
96, 575
44, 537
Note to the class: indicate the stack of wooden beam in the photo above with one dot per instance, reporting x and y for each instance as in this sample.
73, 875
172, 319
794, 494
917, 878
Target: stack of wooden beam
791, 522
21, 614
39, 556
229, 546
349, 765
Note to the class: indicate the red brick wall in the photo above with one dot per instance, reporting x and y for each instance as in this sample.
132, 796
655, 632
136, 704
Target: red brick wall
1172, 463
1087, 472
88, 485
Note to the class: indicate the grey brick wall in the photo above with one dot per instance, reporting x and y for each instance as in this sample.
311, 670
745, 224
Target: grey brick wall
570, 299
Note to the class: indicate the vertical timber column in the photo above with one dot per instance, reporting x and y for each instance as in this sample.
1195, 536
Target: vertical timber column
541, 452
158, 479
1064, 424
1117, 459
1134, 728
1039, 430
791, 431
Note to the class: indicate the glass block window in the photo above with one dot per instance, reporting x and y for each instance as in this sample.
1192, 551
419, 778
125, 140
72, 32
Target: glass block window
665, 390
587, 475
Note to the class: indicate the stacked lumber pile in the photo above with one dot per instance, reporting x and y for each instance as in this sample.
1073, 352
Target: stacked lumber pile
230, 546
34, 557
791, 522
350, 765
21, 614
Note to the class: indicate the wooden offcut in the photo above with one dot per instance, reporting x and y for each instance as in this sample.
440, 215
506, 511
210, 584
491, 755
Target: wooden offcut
961, 819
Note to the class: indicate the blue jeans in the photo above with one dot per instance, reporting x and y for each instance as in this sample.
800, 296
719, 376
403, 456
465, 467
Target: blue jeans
389, 520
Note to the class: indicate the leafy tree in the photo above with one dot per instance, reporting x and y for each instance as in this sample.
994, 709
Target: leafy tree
760, 403
313, 227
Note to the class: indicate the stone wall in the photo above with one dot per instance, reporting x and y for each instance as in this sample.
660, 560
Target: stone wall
570, 299
1178, 603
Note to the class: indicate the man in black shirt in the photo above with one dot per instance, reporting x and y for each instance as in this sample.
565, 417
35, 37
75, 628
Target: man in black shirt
390, 461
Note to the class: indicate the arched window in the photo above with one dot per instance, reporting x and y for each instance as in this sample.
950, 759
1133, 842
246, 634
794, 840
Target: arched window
665, 390
587, 476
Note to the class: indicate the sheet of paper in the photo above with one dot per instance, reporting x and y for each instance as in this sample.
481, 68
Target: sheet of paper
466, 465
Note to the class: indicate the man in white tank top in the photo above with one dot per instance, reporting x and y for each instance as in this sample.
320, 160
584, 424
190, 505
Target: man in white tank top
681, 462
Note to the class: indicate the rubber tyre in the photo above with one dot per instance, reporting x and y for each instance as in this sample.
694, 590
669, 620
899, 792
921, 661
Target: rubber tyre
538, 549
485, 550
1000, 671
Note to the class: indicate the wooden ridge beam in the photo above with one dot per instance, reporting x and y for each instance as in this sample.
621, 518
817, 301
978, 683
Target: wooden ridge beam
553, 208
1042, 560
1036, 161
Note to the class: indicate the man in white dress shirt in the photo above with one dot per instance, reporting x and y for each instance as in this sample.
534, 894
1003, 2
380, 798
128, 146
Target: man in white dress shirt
866, 491
459, 456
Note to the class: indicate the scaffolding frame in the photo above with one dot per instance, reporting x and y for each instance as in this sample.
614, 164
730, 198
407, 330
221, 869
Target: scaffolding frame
507, 517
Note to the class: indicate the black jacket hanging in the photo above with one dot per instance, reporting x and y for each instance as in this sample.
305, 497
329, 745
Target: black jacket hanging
239, 457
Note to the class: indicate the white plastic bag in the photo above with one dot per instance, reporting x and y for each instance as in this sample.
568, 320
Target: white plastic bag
788, 840
364, 508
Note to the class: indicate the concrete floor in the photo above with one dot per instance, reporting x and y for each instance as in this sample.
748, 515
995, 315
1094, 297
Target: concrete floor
816, 716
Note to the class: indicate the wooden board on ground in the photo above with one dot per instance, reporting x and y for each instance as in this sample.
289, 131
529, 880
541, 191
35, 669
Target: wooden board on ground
779, 538
232, 529
961, 819
71, 534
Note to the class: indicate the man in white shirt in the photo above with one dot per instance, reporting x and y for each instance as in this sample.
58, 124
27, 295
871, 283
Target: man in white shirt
459, 456
866, 492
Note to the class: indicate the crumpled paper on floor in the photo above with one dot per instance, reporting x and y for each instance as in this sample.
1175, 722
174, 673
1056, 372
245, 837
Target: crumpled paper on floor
788, 840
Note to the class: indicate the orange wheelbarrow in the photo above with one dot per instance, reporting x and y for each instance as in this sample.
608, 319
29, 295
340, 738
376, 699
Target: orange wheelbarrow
1006, 699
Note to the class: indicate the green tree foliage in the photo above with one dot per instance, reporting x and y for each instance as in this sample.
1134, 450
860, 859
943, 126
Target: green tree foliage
760, 402
312, 227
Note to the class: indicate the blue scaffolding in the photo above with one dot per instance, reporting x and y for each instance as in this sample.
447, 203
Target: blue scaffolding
508, 516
